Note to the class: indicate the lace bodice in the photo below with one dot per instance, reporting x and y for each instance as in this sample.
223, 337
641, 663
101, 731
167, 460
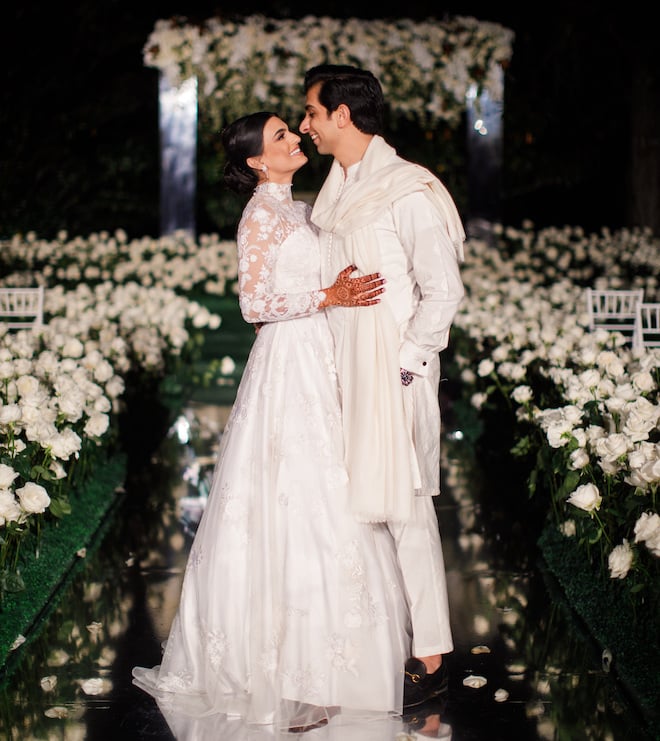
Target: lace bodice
279, 271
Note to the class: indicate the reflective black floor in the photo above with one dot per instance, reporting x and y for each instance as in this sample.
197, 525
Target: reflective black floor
522, 667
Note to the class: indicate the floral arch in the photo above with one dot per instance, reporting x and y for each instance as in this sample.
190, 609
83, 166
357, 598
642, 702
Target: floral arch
432, 72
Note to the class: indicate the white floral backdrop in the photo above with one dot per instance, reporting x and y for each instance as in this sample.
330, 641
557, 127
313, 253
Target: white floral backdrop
427, 69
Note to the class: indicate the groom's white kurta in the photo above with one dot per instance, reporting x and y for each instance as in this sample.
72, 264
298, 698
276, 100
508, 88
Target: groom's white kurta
392, 216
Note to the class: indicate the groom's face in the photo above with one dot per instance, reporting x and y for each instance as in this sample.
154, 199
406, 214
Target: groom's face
320, 126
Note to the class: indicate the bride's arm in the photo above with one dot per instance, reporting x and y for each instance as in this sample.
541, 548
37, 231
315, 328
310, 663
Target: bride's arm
257, 251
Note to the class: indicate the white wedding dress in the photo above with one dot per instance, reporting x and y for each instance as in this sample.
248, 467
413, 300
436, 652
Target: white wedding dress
291, 611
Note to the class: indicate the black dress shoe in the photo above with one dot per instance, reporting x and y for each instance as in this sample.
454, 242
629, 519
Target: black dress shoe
419, 686
417, 716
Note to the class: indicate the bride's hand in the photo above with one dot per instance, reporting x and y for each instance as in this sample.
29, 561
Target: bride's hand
347, 291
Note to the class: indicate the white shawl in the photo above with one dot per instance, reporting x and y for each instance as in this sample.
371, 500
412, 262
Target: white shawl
378, 436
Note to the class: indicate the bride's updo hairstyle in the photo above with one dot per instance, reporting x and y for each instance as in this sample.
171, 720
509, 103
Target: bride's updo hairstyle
241, 139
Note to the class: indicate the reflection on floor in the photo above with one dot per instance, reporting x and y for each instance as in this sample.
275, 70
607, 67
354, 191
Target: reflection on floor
521, 669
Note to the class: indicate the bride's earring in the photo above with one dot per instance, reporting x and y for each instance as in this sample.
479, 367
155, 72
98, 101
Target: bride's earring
264, 169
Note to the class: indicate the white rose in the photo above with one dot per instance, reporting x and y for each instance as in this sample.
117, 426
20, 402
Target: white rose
115, 387
650, 472
568, 529
10, 413
10, 510
71, 404
653, 544
647, 527
73, 348
559, 433
501, 353
32, 410
27, 385
610, 467
580, 435
626, 391
103, 371
641, 417
468, 376
522, 394
513, 371
40, 431
33, 497
590, 378
611, 362
572, 414
635, 480
579, 458
23, 366
57, 469
615, 404
478, 400
6, 370
586, 497
63, 444
620, 560
485, 368
97, 424
605, 388
595, 432
227, 366
612, 447
7, 476
19, 445
643, 381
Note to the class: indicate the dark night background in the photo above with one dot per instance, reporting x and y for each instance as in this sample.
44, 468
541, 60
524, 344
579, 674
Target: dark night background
79, 111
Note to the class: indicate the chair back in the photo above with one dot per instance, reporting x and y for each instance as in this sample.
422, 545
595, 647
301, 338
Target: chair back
614, 310
21, 308
647, 325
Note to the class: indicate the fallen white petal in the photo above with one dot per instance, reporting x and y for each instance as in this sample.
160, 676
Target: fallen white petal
92, 686
56, 712
501, 695
48, 683
480, 650
20, 640
475, 681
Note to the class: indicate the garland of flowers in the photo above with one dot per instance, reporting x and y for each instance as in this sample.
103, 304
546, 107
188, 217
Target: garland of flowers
427, 69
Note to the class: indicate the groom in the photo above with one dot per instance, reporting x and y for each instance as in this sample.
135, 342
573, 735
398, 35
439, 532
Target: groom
383, 213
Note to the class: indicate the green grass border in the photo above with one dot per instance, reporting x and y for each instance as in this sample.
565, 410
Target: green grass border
633, 638
25, 612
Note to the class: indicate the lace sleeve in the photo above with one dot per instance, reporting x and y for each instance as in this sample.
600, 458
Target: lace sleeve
260, 234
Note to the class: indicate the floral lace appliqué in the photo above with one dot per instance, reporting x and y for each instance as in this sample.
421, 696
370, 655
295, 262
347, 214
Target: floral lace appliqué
273, 221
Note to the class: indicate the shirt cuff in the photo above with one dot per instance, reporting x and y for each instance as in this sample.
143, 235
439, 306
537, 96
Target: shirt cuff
413, 359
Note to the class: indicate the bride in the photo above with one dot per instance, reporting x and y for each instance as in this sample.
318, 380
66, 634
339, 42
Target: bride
291, 612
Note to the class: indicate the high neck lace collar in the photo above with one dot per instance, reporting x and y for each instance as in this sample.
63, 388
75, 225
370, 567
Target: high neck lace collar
278, 190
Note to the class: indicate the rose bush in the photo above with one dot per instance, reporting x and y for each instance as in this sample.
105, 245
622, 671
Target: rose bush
585, 407
61, 389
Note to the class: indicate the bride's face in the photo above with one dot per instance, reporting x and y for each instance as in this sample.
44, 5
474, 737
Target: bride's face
282, 154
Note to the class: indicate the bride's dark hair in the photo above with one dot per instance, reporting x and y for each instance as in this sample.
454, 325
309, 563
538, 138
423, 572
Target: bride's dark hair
241, 139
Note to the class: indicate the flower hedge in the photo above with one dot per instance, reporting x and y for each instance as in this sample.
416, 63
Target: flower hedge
177, 261
583, 406
62, 388
427, 69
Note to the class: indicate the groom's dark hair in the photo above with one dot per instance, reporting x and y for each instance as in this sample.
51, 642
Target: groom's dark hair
354, 87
